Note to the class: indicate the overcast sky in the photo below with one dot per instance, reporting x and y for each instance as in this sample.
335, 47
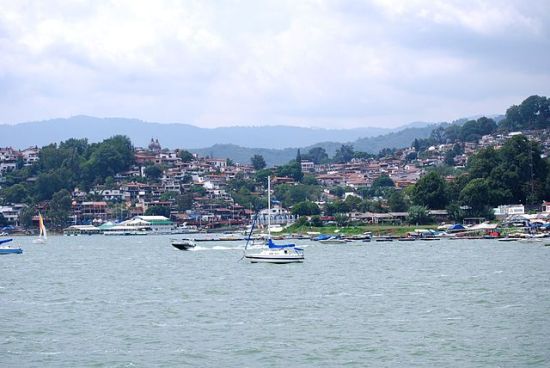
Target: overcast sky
307, 63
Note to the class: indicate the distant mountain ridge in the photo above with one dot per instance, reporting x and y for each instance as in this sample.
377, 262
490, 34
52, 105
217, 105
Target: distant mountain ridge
277, 144
172, 135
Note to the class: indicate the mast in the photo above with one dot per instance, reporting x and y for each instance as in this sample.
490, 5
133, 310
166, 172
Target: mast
269, 207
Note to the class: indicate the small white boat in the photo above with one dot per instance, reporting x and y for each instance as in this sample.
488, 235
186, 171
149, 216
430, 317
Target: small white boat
183, 244
185, 229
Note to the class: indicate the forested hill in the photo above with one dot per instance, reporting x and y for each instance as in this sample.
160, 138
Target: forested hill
398, 139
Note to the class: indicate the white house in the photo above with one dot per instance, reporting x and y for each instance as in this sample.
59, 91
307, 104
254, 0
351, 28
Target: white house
509, 210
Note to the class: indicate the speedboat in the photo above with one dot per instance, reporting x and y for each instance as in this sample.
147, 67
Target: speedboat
286, 253
6, 249
183, 244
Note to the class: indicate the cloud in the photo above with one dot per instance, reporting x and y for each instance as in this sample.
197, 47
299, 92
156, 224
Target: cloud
311, 63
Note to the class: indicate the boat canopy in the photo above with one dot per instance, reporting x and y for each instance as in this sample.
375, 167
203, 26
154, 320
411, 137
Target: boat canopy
456, 227
272, 245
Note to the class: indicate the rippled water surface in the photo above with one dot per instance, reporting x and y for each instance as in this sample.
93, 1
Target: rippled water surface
138, 302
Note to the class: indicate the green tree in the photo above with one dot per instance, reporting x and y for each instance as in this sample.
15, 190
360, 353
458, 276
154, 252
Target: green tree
158, 211
60, 208
532, 113
153, 172
418, 215
15, 194
383, 181
335, 207
184, 201
186, 156
3, 220
344, 154
199, 190
257, 162
309, 180
473, 130
476, 194
455, 212
316, 221
353, 202
25, 217
290, 195
341, 219
430, 191
317, 155
338, 191
49, 183
292, 170
169, 196
306, 208
397, 201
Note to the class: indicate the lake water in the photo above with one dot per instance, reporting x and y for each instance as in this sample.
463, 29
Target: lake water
138, 302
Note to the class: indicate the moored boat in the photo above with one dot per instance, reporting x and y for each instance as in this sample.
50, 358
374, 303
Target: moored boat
333, 240
6, 249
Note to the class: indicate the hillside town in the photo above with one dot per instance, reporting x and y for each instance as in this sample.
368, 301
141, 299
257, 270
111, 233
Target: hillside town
203, 182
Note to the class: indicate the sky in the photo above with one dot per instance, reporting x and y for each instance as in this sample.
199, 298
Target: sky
310, 63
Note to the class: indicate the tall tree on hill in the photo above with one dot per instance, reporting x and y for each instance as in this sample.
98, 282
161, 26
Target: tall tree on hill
317, 155
257, 162
344, 154
516, 173
532, 113
292, 170
186, 156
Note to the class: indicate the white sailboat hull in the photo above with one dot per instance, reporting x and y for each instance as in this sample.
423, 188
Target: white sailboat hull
275, 256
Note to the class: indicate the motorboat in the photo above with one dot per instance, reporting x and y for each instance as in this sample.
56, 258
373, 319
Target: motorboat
6, 249
183, 244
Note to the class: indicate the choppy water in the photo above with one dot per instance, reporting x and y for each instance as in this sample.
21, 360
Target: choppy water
138, 302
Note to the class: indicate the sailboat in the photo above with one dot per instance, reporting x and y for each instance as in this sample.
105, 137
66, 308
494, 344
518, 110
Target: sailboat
43, 237
274, 253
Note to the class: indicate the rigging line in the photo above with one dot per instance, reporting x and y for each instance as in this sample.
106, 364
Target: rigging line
250, 234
